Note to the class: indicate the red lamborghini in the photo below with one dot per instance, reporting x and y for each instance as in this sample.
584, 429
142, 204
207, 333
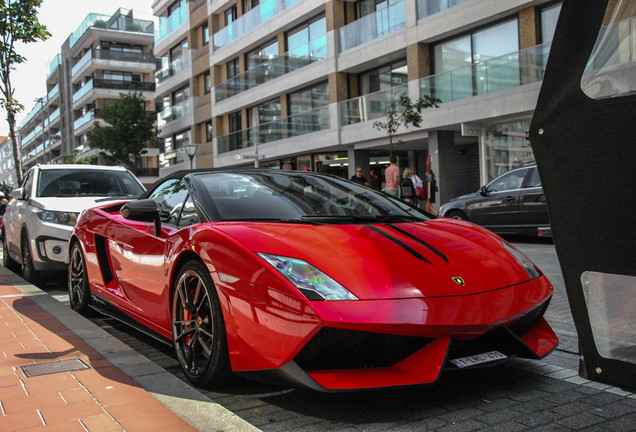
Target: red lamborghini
309, 278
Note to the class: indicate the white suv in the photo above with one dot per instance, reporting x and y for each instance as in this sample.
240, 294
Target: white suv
39, 219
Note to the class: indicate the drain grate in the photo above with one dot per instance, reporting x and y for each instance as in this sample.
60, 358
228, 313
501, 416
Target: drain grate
54, 367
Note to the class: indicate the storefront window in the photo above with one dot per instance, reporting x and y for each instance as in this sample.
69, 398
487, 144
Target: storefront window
507, 147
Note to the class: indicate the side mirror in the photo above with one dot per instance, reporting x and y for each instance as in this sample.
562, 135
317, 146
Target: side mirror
483, 191
144, 210
17, 194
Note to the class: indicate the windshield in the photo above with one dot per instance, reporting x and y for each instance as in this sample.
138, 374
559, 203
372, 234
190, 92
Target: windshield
85, 182
299, 197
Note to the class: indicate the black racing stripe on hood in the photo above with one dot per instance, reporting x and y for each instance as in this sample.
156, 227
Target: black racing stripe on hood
420, 241
399, 243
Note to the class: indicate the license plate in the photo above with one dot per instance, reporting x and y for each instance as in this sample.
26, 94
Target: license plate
478, 359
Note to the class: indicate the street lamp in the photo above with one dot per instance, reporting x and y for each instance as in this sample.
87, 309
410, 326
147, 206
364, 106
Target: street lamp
191, 150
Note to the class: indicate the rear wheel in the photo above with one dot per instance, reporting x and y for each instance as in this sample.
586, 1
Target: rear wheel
28, 269
78, 288
457, 214
198, 329
7, 261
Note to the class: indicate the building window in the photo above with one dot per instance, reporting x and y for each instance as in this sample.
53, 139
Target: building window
233, 68
262, 54
549, 16
309, 40
208, 131
230, 15
382, 78
249, 5
207, 83
304, 109
205, 34
235, 125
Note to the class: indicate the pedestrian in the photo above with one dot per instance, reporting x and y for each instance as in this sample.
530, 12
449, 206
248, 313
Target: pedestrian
359, 178
392, 177
407, 186
375, 180
432, 188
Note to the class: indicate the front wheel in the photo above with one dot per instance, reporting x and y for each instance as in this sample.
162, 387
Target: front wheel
28, 269
456, 214
78, 288
198, 329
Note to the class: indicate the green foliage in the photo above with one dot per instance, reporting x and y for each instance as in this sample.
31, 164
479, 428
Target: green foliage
71, 158
100, 24
404, 112
18, 25
127, 133
6, 189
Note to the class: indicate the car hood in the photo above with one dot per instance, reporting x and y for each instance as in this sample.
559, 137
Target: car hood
438, 258
463, 197
73, 204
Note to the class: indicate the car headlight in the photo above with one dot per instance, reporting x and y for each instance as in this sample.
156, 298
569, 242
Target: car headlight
311, 282
532, 270
62, 218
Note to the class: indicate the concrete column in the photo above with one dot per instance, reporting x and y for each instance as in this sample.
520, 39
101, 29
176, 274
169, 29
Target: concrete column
441, 145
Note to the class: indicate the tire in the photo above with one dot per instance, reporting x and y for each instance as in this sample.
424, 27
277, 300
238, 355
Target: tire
28, 269
7, 261
457, 214
198, 329
78, 288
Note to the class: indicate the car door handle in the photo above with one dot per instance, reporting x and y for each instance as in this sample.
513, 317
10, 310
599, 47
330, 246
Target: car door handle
510, 198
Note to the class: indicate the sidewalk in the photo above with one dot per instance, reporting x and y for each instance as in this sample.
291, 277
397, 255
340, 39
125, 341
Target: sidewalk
60, 372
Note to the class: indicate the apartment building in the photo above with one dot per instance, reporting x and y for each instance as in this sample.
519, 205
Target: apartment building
7, 172
104, 57
299, 83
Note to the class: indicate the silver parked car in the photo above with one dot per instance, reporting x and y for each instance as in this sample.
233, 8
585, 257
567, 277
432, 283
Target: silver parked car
513, 203
38, 220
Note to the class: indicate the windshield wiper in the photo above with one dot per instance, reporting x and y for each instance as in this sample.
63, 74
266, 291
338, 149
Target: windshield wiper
363, 219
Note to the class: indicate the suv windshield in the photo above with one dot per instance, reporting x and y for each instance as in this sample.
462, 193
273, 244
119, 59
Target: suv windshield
84, 182
300, 197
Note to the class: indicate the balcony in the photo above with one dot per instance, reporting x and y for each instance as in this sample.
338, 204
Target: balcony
54, 116
89, 116
102, 21
54, 64
167, 25
173, 68
372, 26
246, 23
53, 92
102, 54
99, 83
426, 8
175, 112
276, 67
499, 73
370, 106
288, 127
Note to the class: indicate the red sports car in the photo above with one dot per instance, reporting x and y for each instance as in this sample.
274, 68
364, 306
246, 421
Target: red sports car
309, 278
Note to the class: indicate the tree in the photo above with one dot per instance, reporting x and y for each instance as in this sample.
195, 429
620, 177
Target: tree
404, 112
127, 133
71, 158
6, 189
18, 23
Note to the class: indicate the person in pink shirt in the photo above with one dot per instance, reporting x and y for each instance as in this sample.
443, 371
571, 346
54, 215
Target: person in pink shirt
392, 177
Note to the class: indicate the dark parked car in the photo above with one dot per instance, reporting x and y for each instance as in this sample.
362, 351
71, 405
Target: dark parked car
512, 203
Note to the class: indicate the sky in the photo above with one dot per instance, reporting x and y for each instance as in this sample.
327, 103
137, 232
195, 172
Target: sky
61, 17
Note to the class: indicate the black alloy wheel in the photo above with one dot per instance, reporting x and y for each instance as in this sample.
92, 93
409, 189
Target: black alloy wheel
198, 329
7, 261
457, 214
78, 287
28, 269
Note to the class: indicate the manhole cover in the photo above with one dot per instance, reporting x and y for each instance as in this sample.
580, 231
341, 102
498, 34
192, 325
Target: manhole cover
54, 367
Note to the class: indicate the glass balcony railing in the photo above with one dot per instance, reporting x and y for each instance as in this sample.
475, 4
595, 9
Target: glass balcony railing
288, 127
82, 91
427, 8
372, 26
275, 67
266, 10
102, 21
167, 25
370, 106
34, 111
499, 73
53, 92
103, 54
89, 116
54, 116
172, 68
175, 112
53, 64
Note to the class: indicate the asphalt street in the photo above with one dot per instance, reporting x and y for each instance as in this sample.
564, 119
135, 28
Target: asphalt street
545, 395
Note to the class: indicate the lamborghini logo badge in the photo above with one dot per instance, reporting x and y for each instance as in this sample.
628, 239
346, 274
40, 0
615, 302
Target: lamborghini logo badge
458, 280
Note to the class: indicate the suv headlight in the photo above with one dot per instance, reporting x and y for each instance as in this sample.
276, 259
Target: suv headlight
532, 270
62, 218
311, 282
